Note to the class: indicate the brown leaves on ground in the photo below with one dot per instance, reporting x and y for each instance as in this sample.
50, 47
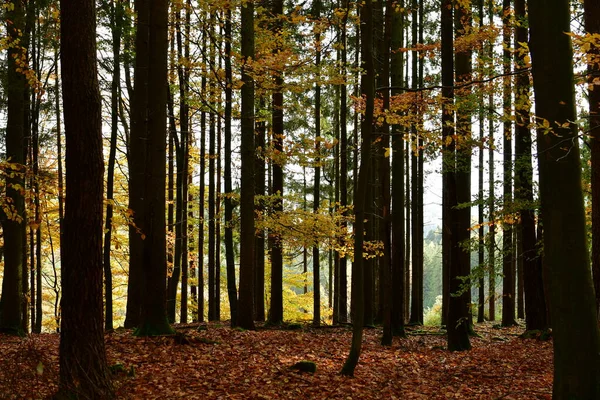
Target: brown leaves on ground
224, 363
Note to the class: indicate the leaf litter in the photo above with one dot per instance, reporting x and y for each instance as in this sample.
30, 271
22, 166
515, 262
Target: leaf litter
224, 363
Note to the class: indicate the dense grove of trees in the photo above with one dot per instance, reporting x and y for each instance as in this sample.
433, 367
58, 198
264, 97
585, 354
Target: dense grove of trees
255, 148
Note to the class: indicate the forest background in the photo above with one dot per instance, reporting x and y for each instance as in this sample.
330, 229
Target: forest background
205, 218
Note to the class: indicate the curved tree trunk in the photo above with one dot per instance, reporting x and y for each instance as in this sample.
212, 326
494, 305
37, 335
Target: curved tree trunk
368, 90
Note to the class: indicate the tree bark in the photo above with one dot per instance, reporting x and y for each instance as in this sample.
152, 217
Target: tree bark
508, 267
368, 91
83, 367
13, 224
572, 305
246, 306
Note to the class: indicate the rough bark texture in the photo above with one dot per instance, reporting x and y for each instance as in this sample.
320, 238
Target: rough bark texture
533, 285
508, 267
398, 233
368, 90
572, 300
83, 368
454, 188
275, 245
153, 320
12, 224
246, 305
137, 161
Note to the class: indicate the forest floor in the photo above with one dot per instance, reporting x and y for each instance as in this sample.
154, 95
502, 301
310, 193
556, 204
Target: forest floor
224, 363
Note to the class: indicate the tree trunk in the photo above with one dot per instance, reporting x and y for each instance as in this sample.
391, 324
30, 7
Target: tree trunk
155, 44
572, 305
246, 306
491, 199
343, 269
317, 181
398, 233
508, 281
276, 310
592, 26
116, 26
368, 90
533, 283
228, 206
83, 367
455, 187
13, 224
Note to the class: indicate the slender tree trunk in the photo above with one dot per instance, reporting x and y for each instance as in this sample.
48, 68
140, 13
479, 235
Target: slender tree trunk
317, 180
246, 306
508, 281
492, 196
116, 23
276, 308
385, 284
368, 90
343, 272
480, 170
464, 73
259, 240
535, 304
592, 26
398, 232
228, 206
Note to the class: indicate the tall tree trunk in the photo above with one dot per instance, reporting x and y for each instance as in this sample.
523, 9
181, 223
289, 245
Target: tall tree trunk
385, 284
259, 240
456, 185
416, 312
343, 269
212, 262
13, 225
464, 73
480, 170
154, 43
535, 304
592, 26
228, 206
317, 181
492, 183
367, 90
116, 26
398, 233
508, 281
84, 371
137, 159
275, 245
572, 305
246, 306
